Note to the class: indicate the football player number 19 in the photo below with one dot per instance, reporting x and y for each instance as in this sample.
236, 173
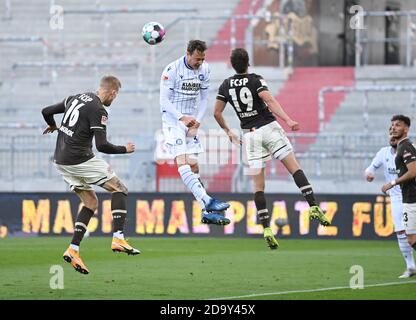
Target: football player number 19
72, 113
245, 97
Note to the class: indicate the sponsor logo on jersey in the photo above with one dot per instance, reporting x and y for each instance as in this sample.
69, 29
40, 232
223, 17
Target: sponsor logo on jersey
201, 77
392, 170
104, 120
165, 77
179, 142
191, 86
407, 154
263, 83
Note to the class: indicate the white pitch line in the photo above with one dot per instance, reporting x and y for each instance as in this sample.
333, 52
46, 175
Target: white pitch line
312, 290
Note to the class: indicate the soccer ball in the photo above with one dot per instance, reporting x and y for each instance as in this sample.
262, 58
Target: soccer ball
153, 32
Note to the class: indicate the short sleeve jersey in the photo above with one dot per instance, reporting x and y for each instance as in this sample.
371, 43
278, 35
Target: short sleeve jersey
242, 92
84, 113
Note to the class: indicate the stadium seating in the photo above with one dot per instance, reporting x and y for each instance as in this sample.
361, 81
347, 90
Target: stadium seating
104, 38
95, 40
337, 158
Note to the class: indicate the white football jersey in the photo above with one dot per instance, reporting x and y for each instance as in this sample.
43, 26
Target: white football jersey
386, 157
184, 84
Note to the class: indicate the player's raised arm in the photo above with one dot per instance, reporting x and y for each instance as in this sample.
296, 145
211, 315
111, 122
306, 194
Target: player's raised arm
49, 112
277, 109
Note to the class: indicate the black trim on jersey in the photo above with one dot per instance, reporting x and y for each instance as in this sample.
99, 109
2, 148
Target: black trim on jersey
261, 89
222, 98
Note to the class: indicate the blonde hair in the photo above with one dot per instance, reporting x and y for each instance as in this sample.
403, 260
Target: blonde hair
110, 82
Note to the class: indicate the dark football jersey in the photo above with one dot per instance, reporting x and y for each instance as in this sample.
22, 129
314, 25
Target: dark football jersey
406, 153
242, 92
84, 113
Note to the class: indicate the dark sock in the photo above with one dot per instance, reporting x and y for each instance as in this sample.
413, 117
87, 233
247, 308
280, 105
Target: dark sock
304, 186
262, 212
118, 210
81, 224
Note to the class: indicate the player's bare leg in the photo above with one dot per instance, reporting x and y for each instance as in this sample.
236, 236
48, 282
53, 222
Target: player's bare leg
407, 252
119, 211
262, 212
303, 184
212, 209
90, 205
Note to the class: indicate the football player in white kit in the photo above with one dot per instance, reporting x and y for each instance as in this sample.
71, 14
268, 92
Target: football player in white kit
386, 157
183, 101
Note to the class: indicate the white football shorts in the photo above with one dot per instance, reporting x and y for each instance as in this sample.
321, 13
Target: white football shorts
91, 172
396, 206
409, 217
264, 143
178, 142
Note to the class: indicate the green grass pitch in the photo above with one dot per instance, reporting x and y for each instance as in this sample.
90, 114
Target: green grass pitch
205, 268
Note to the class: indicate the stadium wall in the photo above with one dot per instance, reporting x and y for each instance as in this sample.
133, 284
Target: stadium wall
167, 214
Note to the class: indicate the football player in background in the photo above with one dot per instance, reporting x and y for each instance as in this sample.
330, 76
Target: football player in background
385, 158
406, 171
263, 136
85, 118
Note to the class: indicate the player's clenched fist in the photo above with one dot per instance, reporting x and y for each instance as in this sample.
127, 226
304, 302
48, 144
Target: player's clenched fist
369, 177
130, 147
188, 121
50, 129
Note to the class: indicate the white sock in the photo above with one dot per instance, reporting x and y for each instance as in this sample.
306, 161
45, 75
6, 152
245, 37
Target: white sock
194, 185
407, 251
201, 203
75, 247
118, 235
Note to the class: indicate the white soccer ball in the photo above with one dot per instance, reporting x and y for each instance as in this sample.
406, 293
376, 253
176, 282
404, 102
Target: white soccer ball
153, 33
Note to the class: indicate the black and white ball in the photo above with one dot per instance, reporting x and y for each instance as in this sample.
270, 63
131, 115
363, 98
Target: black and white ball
153, 33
